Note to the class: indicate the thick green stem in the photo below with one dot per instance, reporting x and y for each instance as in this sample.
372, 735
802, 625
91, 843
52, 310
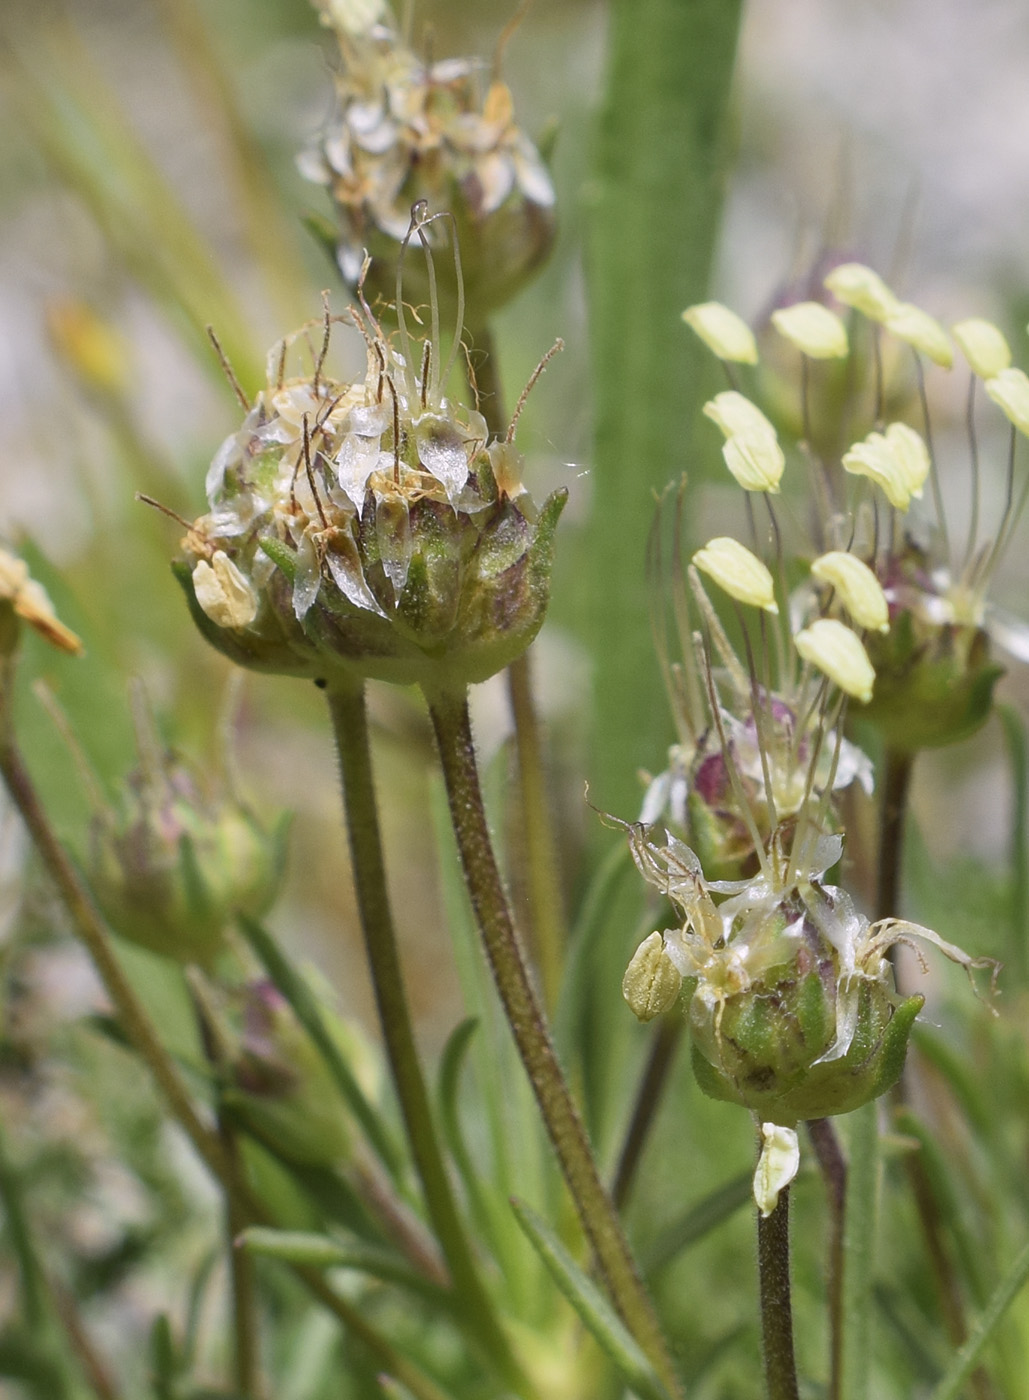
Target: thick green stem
241, 1273
548, 933
834, 1173
773, 1257
350, 725
449, 712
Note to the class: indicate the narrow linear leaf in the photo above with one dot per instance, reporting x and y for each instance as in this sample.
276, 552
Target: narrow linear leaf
451, 1066
967, 1358
296, 991
321, 1252
596, 1314
699, 1221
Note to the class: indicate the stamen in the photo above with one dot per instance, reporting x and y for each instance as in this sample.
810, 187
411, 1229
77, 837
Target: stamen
426, 357
227, 370
941, 515
727, 758
319, 363
555, 349
417, 212
762, 715
973, 445
717, 632
310, 474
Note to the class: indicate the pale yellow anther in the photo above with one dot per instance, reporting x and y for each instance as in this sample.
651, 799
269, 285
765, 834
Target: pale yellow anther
740, 573
723, 332
735, 413
875, 458
838, 654
916, 327
652, 981
756, 461
776, 1166
815, 330
983, 346
911, 455
859, 589
224, 593
856, 285
1009, 390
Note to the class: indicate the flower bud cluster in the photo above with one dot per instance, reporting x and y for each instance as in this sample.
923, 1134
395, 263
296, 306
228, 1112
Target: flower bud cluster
369, 526
407, 130
179, 857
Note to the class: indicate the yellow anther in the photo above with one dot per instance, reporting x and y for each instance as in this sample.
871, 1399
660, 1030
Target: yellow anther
983, 346
856, 285
1009, 390
740, 573
859, 589
813, 329
723, 332
916, 327
838, 654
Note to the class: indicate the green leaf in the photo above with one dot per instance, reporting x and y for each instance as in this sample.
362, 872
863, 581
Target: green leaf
594, 1311
661, 159
699, 1221
322, 1252
451, 1066
300, 997
967, 1358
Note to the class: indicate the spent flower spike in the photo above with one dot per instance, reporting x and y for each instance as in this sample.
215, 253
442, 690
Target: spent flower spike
409, 130
370, 527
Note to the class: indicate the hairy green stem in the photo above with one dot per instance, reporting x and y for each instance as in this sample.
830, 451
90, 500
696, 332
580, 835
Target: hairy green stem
834, 1173
143, 1036
450, 719
241, 1275
648, 1100
350, 725
547, 930
773, 1257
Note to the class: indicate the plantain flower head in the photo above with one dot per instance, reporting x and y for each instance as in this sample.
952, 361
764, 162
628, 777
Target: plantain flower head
408, 130
369, 527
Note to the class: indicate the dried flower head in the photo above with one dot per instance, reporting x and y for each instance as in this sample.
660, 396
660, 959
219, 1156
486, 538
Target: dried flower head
370, 526
445, 133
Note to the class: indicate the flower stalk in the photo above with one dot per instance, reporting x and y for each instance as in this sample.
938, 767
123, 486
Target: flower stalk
348, 711
547, 929
450, 719
773, 1252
